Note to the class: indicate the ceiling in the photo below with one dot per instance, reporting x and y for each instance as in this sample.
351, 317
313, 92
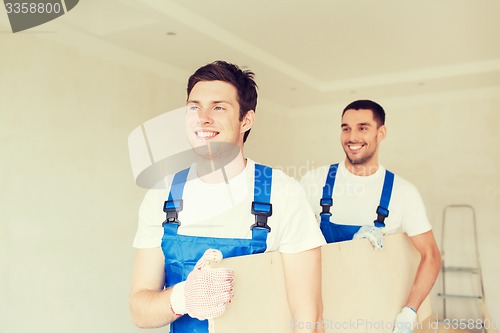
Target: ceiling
310, 52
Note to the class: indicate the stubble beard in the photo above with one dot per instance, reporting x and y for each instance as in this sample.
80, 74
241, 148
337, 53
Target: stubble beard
359, 160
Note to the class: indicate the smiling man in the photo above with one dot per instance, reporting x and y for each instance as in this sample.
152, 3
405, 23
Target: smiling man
359, 198
224, 205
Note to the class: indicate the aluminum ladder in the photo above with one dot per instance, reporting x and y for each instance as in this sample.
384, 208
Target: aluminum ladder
474, 270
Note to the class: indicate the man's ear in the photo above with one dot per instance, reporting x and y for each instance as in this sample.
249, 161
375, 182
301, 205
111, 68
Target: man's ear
247, 121
382, 132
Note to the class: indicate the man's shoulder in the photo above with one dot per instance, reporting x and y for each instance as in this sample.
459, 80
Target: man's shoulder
277, 173
284, 185
280, 179
400, 179
403, 184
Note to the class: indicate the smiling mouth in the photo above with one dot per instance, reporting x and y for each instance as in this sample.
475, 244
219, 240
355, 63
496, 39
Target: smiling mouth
205, 135
355, 146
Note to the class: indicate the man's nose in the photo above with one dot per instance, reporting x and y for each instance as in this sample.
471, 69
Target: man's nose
204, 116
353, 135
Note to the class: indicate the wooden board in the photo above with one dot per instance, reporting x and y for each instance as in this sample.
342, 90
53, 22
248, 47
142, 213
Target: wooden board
363, 289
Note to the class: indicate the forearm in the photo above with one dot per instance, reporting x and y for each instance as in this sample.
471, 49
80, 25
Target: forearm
427, 272
303, 283
151, 308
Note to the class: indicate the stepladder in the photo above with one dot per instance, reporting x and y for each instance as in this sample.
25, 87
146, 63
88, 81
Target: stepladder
462, 292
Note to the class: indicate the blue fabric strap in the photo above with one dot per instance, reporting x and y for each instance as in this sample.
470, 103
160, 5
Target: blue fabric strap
174, 203
263, 182
385, 199
178, 185
261, 206
326, 201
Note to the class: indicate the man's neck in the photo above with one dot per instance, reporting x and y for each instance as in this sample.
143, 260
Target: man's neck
211, 171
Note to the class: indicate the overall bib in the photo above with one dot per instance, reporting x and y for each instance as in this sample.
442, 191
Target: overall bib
340, 232
182, 252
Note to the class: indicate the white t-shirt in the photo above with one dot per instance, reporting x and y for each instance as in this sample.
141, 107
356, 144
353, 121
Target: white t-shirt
224, 210
356, 198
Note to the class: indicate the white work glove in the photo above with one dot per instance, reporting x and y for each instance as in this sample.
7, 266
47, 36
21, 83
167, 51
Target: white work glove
373, 234
405, 321
207, 292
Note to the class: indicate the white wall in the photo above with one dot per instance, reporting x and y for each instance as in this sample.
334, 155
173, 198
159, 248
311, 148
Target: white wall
68, 201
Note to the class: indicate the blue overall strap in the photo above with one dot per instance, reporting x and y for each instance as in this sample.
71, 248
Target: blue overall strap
385, 199
327, 200
261, 205
173, 205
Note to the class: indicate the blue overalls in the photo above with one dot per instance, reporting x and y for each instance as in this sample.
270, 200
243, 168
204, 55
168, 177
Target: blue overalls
340, 232
182, 252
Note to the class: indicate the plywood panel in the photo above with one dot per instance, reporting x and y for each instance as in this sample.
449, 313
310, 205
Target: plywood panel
363, 289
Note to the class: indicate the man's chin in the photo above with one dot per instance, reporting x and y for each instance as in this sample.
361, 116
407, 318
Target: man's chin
356, 160
224, 151
202, 151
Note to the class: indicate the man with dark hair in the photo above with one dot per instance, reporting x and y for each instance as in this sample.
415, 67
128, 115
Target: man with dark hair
224, 205
352, 200
242, 80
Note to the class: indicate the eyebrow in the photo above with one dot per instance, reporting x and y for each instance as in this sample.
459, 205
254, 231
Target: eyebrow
211, 102
358, 124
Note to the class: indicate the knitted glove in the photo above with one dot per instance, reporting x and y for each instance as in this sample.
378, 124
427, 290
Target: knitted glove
207, 292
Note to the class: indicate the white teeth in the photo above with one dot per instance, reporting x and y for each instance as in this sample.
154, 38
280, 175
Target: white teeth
355, 147
206, 134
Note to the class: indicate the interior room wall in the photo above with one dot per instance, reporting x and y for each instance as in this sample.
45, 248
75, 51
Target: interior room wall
68, 200
271, 129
